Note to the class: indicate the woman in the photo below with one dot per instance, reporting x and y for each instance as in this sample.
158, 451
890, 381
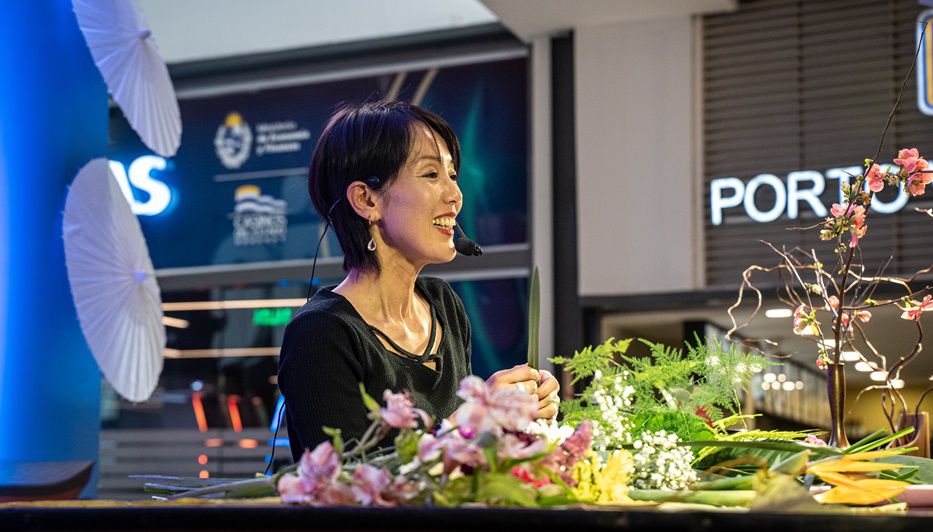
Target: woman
385, 175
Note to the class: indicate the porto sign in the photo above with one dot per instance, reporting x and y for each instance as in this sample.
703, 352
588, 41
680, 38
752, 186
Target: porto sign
801, 189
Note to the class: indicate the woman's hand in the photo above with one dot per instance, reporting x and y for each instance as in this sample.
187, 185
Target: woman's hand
548, 395
539, 383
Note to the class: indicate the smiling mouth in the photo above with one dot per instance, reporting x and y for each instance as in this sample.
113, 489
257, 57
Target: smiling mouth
445, 224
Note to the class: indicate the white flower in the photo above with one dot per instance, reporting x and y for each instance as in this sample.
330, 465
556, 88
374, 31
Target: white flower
661, 463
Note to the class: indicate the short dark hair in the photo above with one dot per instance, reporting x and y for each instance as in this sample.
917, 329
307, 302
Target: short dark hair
362, 142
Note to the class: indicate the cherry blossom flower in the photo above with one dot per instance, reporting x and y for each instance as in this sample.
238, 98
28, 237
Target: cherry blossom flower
915, 308
863, 315
803, 321
875, 178
400, 412
908, 159
857, 234
917, 182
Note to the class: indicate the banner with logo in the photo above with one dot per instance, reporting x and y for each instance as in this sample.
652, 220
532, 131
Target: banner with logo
236, 192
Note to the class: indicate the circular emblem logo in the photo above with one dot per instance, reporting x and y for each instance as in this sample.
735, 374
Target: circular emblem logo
233, 141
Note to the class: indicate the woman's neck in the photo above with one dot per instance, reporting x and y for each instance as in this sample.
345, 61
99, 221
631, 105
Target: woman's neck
388, 296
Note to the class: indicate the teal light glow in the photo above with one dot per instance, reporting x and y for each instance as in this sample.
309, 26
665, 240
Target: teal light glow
53, 115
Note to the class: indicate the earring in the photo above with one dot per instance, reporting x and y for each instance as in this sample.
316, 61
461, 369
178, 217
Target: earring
372, 245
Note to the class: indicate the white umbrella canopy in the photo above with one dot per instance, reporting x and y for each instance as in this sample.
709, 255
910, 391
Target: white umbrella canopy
113, 282
129, 60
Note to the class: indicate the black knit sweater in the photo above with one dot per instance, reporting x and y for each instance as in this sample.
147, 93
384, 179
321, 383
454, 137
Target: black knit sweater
328, 350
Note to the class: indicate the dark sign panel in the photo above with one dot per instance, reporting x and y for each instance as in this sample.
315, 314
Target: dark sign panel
237, 190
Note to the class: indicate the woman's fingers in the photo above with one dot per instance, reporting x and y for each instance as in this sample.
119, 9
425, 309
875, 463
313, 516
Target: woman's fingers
518, 374
547, 412
547, 385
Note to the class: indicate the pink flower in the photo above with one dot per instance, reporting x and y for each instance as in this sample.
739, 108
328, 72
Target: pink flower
429, 448
291, 491
458, 451
820, 363
368, 484
813, 440
488, 410
512, 446
562, 459
875, 178
401, 491
857, 234
855, 212
318, 468
336, 494
908, 159
915, 308
802, 320
863, 315
917, 182
832, 302
844, 318
400, 412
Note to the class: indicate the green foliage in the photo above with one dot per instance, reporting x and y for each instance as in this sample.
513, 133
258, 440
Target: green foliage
722, 454
368, 400
575, 411
336, 437
602, 357
689, 427
406, 445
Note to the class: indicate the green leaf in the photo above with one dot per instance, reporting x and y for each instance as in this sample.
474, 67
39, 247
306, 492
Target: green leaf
689, 427
336, 437
406, 445
534, 319
370, 403
774, 445
504, 488
924, 466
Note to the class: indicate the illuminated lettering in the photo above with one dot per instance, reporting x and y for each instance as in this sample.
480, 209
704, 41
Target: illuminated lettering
780, 198
140, 177
802, 187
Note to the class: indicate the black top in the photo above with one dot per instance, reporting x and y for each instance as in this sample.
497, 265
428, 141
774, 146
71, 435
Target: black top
328, 350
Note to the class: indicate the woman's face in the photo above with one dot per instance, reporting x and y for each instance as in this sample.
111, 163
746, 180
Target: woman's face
419, 207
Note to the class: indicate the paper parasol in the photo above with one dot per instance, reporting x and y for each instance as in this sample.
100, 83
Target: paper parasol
113, 282
129, 60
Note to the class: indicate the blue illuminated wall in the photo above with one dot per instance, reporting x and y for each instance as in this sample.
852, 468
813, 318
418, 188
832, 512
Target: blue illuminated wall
53, 119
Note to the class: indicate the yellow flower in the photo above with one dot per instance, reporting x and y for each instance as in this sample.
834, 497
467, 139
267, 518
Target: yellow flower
604, 481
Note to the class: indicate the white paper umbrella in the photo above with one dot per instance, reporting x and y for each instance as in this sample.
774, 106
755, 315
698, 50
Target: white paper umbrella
113, 282
129, 60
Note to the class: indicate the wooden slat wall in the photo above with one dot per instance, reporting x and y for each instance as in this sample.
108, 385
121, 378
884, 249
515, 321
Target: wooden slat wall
807, 85
175, 452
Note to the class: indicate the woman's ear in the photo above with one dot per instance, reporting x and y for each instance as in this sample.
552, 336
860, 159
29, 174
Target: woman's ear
364, 200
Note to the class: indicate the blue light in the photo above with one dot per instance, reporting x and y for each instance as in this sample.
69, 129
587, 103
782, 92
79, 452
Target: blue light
53, 117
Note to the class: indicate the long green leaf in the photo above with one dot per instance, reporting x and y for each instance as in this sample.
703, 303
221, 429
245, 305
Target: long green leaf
774, 445
534, 319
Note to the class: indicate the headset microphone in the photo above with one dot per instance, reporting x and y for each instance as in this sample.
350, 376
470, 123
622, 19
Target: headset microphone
467, 247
